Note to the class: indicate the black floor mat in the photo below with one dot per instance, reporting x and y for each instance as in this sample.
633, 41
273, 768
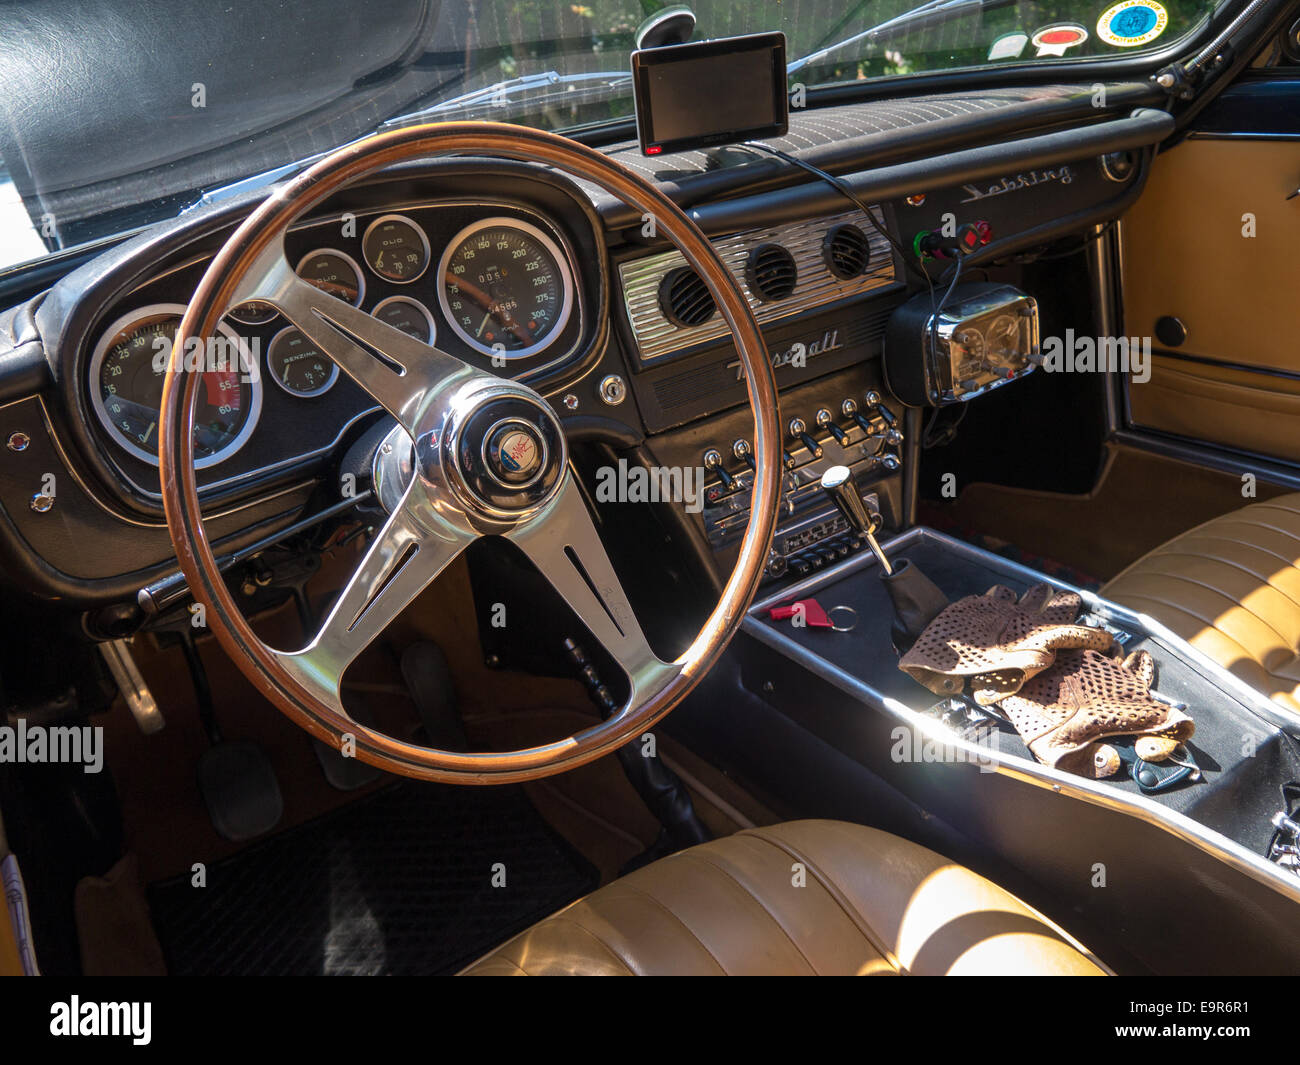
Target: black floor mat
400, 883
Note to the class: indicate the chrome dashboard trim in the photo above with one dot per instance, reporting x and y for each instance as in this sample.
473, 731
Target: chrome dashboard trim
1014, 766
657, 337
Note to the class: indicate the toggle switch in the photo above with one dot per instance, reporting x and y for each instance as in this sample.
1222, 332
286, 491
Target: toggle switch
745, 453
827, 421
799, 431
713, 461
850, 410
878, 409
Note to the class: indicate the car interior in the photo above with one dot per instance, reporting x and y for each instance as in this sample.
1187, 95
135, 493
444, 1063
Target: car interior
493, 488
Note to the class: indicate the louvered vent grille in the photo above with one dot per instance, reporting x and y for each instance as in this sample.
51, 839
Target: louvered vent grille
771, 272
848, 252
670, 309
684, 298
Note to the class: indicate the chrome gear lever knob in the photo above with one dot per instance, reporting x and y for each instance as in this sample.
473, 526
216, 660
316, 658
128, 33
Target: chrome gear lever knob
839, 483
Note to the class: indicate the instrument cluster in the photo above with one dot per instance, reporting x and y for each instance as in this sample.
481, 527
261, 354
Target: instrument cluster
491, 283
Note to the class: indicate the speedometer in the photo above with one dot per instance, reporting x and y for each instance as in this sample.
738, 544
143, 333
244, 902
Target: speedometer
505, 288
126, 382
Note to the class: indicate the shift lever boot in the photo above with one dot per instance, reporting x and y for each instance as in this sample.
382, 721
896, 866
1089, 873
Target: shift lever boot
916, 600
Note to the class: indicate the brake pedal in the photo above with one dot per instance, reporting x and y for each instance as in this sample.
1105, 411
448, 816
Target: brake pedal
428, 679
240, 790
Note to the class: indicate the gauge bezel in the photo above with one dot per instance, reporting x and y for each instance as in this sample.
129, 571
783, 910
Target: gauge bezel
270, 370
566, 279
356, 266
424, 239
151, 310
419, 305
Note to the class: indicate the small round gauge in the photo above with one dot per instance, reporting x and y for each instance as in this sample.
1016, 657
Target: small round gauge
299, 366
127, 369
333, 272
395, 248
1003, 337
505, 288
253, 312
968, 356
410, 316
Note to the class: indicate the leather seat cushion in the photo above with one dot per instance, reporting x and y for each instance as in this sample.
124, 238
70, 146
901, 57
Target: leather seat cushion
867, 903
1230, 588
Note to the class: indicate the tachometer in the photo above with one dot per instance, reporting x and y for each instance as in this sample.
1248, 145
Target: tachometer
126, 382
505, 288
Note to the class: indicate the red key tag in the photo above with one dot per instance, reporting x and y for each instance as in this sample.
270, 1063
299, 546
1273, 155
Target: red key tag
803, 613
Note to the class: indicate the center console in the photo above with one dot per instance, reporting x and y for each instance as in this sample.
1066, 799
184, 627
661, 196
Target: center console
1137, 862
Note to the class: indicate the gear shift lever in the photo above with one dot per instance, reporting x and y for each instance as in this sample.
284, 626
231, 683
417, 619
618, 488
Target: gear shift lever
839, 483
915, 598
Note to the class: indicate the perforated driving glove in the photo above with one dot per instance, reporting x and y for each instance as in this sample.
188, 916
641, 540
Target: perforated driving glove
997, 642
1065, 712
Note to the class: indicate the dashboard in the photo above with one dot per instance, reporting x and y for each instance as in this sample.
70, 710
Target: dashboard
525, 273
483, 280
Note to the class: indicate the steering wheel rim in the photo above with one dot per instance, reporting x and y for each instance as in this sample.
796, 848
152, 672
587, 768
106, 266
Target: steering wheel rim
251, 265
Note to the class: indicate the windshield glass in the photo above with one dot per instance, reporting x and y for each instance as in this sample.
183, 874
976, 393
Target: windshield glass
118, 113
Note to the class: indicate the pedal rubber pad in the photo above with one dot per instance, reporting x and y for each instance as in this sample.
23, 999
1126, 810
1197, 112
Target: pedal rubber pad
240, 790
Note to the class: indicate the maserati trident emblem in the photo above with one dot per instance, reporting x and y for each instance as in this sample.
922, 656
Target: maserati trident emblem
515, 453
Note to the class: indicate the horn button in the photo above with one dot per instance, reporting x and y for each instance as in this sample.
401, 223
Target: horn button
508, 453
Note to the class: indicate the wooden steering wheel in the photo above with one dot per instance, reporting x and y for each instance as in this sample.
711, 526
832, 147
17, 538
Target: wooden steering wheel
453, 414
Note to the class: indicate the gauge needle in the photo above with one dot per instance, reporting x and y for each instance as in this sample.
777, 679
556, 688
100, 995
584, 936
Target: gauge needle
148, 433
486, 318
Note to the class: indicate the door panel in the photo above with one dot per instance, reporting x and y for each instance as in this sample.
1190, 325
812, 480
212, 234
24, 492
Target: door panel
1235, 380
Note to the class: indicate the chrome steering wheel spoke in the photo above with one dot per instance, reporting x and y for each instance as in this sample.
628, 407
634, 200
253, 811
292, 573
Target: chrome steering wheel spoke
404, 557
398, 371
563, 544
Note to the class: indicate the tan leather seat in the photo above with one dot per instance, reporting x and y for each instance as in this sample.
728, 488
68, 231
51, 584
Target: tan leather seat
867, 903
1230, 588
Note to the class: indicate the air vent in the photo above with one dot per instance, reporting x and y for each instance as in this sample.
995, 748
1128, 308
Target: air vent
847, 252
771, 272
684, 298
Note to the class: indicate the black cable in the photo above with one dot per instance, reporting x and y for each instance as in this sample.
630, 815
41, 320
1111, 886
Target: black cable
844, 189
1082, 246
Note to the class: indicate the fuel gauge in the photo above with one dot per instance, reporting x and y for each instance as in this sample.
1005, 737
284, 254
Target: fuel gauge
299, 366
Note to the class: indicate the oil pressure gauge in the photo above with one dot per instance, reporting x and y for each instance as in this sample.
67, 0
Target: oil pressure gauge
396, 248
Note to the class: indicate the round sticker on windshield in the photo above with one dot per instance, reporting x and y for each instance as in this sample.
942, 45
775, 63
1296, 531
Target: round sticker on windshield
1132, 23
1056, 38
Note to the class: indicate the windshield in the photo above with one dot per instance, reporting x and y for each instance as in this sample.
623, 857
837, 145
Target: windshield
118, 113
